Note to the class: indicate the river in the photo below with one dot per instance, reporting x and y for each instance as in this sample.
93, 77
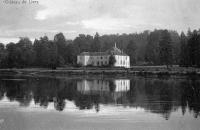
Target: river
99, 103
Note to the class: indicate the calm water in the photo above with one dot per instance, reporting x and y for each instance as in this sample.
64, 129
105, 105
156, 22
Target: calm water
58, 103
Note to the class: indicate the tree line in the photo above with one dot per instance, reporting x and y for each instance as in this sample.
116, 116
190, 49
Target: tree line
158, 47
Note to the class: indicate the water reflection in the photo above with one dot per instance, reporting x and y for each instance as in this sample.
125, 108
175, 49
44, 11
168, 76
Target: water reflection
99, 86
162, 96
101, 91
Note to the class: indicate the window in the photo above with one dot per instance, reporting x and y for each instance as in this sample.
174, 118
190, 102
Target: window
101, 57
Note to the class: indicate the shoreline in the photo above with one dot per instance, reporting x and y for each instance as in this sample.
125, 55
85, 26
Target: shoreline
137, 70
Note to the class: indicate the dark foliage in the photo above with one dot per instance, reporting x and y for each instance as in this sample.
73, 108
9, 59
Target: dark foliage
165, 48
190, 49
131, 51
112, 60
146, 48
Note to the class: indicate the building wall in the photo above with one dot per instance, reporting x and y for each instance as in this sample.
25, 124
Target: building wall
81, 60
121, 60
99, 60
93, 60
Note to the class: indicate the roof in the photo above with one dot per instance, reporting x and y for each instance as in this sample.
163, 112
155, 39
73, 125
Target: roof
116, 51
113, 51
93, 53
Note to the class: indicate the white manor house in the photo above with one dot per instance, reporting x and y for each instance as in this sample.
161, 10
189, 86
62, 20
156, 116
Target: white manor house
102, 58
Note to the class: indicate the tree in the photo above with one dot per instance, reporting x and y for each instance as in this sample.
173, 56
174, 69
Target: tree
176, 46
2, 46
152, 47
184, 54
194, 49
131, 51
52, 55
82, 43
41, 49
165, 48
96, 45
150, 54
61, 43
27, 55
14, 53
112, 60
3, 55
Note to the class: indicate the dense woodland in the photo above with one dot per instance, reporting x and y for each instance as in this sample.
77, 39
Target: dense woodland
158, 47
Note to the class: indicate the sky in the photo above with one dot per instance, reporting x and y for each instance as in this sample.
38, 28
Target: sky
74, 17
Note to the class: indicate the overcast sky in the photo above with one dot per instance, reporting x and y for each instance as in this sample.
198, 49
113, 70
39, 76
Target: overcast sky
73, 17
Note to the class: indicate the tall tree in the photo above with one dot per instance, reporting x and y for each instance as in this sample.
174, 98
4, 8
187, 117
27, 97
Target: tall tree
131, 51
13, 55
27, 56
194, 49
52, 55
2, 47
61, 43
152, 48
175, 46
83, 42
3, 55
72, 53
41, 51
112, 60
150, 53
96, 45
184, 54
165, 48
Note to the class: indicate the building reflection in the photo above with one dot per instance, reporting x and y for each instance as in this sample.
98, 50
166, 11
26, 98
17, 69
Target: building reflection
101, 86
101, 91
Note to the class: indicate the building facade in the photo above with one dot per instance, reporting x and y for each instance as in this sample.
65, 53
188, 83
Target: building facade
102, 58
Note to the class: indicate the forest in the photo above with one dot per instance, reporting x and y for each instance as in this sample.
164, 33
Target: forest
158, 47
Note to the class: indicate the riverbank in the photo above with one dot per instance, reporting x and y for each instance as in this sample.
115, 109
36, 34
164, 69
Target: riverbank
135, 70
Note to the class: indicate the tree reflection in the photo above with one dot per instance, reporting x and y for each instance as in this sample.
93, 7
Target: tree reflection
59, 103
161, 96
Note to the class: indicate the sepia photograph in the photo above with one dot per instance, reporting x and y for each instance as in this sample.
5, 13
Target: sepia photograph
99, 65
